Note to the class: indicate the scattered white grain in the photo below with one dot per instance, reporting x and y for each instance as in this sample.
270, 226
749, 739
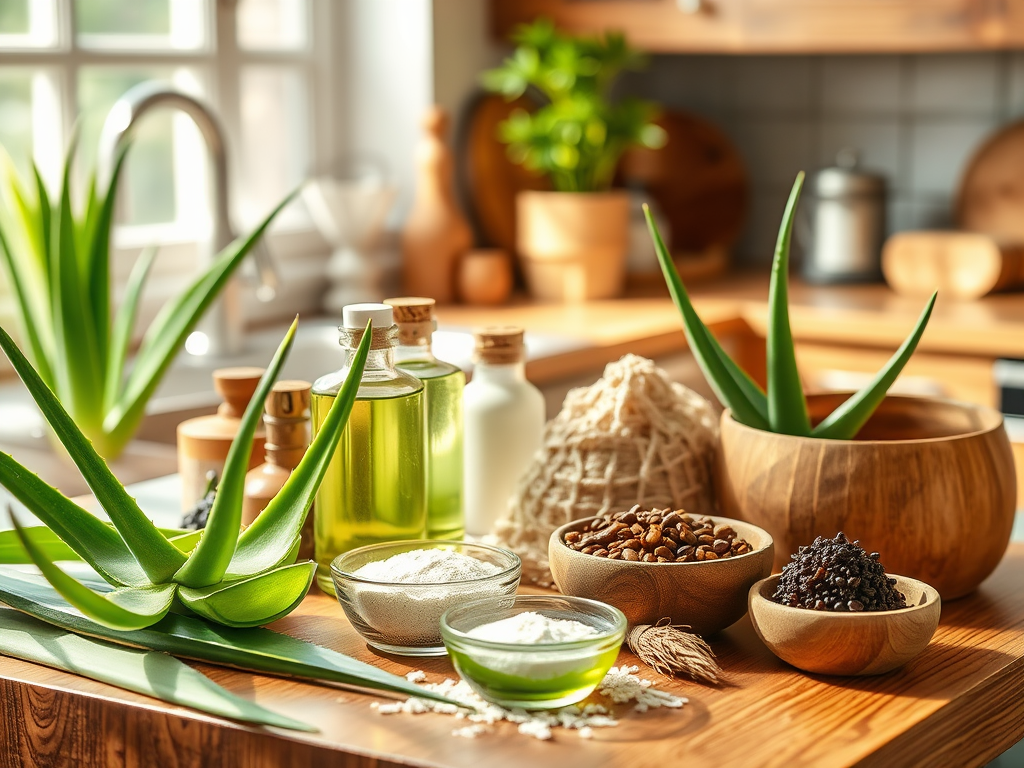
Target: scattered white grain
621, 685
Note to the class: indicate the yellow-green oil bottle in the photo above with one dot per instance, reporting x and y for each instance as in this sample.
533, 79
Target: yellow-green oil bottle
443, 384
375, 489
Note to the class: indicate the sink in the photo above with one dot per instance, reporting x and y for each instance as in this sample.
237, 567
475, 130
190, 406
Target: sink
187, 387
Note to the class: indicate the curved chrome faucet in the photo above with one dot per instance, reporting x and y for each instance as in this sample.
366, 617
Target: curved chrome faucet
223, 323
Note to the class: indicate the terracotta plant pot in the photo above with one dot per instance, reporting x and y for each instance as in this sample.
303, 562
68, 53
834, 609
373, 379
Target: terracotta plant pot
485, 277
929, 484
573, 244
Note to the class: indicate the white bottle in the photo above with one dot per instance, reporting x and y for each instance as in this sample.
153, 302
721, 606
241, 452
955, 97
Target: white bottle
503, 426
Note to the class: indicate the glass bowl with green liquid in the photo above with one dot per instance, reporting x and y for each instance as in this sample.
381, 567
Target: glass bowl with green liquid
533, 675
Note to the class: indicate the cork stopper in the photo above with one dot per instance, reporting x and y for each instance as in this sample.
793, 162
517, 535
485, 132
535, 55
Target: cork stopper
501, 345
287, 421
236, 386
415, 318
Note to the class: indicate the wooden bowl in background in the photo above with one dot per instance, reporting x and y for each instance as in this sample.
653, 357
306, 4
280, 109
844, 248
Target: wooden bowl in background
834, 643
708, 595
928, 483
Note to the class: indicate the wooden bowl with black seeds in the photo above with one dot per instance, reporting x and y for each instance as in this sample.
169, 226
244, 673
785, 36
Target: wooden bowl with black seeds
844, 642
707, 595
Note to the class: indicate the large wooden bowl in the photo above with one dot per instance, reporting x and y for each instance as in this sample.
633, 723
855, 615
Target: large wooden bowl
828, 643
708, 595
928, 483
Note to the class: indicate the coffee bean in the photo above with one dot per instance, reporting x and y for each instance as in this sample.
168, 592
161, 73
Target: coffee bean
665, 552
653, 536
630, 554
721, 546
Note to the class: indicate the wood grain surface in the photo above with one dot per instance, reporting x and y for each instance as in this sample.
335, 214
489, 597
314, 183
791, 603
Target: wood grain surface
957, 704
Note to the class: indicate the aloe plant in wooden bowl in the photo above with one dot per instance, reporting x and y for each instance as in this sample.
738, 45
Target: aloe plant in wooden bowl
928, 483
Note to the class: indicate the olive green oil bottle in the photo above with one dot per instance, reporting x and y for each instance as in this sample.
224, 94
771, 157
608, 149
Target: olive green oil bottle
443, 384
375, 489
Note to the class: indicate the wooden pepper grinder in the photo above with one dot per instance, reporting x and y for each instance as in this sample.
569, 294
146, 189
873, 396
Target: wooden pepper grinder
287, 421
436, 234
203, 442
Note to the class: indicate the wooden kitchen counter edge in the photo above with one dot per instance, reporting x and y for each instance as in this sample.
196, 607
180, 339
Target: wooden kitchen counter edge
955, 704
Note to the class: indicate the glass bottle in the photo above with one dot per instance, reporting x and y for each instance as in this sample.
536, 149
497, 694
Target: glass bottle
442, 394
375, 487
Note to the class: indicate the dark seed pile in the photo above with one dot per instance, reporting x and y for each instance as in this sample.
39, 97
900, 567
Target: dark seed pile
196, 517
837, 575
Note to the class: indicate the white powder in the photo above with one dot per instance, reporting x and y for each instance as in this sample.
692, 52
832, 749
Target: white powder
621, 685
426, 566
531, 628
412, 617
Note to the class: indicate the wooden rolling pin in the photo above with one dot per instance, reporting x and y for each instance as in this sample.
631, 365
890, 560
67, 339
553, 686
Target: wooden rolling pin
964, 265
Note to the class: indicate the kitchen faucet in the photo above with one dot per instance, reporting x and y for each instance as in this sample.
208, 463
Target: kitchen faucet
223, 323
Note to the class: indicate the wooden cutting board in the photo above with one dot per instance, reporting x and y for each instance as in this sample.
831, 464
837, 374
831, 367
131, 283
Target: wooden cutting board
990, 199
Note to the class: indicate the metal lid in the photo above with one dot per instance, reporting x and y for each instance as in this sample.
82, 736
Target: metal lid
846, 178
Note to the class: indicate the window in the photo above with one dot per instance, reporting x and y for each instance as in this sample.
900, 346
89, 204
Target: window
254, 61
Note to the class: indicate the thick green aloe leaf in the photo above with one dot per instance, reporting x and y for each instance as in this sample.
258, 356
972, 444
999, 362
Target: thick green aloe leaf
150, 673
124, 323
125, 608
732, 386
169, 330
93, 540
845, 421
273, 536
26, 317
209, 562
261, 650
252, 602
158, 558
787, 408
13, 553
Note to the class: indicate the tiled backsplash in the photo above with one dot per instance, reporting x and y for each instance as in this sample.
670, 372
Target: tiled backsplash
916, 118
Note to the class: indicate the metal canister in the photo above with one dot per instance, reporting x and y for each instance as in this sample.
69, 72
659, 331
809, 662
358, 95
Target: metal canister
844, 226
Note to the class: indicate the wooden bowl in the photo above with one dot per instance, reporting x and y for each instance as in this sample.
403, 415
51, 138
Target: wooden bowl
928, 483
828, 643
708, 595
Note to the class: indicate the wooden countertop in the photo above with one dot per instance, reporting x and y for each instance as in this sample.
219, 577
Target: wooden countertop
957, 704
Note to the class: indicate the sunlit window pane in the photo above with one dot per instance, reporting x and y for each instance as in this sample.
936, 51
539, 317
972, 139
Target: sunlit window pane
272, 24
141, 24
148, 183
16, 117
275, 136
28, 23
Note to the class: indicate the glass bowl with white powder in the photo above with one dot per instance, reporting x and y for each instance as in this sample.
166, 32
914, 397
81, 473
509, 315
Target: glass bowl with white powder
394, 593
533, 651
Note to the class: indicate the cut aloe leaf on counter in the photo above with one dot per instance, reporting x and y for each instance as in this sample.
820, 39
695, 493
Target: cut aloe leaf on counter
783, 408
147, 672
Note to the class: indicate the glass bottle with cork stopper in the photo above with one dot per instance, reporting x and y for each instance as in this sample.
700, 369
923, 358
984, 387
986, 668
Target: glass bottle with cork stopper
442, 397
286, 419
203, 442
375, 489
503, 425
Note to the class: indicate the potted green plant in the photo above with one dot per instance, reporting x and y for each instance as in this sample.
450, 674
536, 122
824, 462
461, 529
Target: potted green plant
57, 264
928, 483
572, 240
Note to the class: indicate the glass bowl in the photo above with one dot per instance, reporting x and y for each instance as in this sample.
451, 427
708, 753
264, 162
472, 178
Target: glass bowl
538, 675
404, 618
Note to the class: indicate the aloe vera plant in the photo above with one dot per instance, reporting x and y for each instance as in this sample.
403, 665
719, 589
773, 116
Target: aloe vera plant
57, 263
782, 408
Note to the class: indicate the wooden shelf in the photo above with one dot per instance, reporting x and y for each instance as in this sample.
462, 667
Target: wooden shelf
957, 704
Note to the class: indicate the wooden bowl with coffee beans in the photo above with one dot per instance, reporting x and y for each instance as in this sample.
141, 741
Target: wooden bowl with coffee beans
655, 564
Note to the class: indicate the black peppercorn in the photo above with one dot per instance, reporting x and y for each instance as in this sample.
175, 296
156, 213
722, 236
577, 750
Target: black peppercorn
837, 575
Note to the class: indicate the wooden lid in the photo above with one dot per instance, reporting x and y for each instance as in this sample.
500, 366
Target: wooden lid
498, 344
289, 400
236, 386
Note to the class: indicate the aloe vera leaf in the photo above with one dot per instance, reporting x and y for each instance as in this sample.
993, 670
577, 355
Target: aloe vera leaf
252, 602
26, 320
274, 534
262, 650
124, 608
92, 539
124, 323
45, 217
209, 562
846, 421
12, 553
78, 375
734, 388
787, 408
158, 558
186, 541
150, 673
169, 329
